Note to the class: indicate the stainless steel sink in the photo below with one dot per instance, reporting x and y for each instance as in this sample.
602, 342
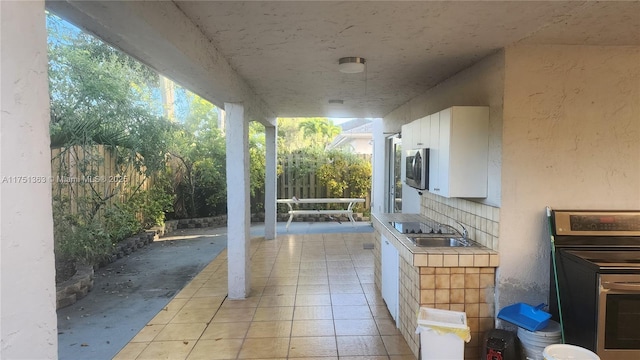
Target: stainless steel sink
430, 241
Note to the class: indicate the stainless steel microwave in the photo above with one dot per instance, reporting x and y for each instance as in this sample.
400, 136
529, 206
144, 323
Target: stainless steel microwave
417, 168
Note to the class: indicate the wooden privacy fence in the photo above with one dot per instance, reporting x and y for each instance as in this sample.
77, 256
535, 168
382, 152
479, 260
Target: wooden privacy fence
92, 173
299, 179
81, 173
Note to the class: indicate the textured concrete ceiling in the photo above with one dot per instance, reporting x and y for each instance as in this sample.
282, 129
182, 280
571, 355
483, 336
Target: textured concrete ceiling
288, 51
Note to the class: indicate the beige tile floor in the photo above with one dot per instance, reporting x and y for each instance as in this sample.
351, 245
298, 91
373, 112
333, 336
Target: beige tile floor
312, 296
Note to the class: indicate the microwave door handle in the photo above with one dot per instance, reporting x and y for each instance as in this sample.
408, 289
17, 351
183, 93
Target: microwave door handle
623, 286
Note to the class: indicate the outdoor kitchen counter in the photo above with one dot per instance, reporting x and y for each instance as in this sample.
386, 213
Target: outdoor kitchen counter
420, 256
448, 278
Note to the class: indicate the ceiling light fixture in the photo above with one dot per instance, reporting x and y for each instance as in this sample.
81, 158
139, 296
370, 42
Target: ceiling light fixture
351, 65
336, 101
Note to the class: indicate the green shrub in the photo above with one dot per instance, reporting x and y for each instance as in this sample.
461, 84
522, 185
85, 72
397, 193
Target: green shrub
120, 222
150, 206
79, 240
345, 175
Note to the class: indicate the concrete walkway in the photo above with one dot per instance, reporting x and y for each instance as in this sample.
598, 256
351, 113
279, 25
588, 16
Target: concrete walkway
128, 293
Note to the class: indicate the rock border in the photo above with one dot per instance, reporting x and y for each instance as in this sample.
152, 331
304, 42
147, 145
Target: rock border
75, 288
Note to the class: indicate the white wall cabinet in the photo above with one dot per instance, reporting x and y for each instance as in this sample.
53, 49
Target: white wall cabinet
408, 141
421, 132
459, 143
415, 135
390, 277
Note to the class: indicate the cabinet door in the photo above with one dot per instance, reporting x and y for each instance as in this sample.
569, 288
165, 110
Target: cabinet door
404, 132
421, 131
434, 151
468, 151
458, 166
407, 137
444, 155
416, 134
390, 277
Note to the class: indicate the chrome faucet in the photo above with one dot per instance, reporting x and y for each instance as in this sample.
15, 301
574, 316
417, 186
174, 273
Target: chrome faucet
465, 233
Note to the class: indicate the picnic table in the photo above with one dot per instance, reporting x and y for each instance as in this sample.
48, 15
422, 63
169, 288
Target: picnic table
293, 212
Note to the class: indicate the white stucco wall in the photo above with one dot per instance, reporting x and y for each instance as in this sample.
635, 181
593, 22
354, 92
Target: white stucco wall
362, 145
27, 285
571, 140
564, 132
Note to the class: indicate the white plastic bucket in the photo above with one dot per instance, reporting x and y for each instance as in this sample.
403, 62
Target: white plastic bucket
552, 330
534, 342
567, 352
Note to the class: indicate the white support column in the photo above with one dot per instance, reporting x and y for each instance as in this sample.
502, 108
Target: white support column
270, 182
27, 285
238, 201
379, 187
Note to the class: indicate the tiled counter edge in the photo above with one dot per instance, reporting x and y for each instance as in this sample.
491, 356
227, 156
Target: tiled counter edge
458, 279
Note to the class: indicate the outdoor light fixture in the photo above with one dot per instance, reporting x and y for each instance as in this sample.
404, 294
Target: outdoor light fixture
351, 65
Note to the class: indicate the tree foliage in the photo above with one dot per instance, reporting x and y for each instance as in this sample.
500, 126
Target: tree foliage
198, 165
100, 96
319, 130
345, 175
302, 152
257, 165
295, 134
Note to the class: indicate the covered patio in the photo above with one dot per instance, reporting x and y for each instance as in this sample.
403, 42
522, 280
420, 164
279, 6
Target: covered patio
312, 295
558, 77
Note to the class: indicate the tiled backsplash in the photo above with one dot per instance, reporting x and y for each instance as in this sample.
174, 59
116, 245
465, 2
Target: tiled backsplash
479, 219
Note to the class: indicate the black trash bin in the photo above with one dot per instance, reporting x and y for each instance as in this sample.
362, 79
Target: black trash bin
500, 345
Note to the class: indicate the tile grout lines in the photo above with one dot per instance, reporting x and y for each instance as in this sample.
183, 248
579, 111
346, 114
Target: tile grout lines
335, 258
